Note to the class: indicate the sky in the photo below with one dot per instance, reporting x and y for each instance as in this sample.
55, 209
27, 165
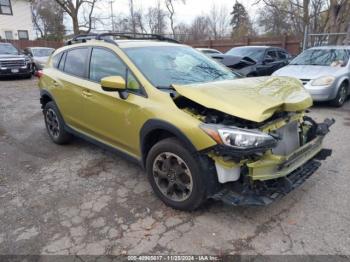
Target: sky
184, 12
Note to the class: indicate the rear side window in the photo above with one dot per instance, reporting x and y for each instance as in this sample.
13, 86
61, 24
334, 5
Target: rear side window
76, 62
104, 63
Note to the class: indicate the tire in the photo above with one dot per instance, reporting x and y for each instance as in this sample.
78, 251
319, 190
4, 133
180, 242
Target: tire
170, 165
342, 94
55, 125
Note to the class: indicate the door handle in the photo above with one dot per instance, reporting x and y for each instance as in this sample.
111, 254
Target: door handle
87, 93
55, 83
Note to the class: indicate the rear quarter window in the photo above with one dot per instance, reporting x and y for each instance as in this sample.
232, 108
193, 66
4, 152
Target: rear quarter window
56, 60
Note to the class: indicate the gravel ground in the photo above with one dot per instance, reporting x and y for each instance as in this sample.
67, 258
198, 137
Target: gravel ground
80, 199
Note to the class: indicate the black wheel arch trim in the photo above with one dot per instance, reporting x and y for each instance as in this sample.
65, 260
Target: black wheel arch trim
161, 125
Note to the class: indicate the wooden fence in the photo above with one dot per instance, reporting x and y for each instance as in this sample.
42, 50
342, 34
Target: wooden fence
21, 44
292, 44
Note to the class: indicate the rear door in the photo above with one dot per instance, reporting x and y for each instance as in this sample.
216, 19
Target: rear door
68, 85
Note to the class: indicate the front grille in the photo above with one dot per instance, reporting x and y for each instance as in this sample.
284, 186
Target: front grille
305, 81
13, 63
290, 140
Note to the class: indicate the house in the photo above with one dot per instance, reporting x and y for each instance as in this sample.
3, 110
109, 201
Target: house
16, 20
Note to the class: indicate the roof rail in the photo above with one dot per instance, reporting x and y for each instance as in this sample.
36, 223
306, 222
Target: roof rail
137, 36
82, 38
104, 36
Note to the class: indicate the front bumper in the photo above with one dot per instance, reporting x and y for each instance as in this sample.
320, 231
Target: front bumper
272, 176
264, 193
321, 93
15, 71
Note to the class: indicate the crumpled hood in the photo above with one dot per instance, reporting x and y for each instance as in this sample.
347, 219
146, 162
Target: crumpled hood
306, 71
254, 99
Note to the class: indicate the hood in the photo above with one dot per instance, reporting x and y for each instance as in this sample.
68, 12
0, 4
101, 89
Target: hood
6, 56
42, 60
254, 99
306, 71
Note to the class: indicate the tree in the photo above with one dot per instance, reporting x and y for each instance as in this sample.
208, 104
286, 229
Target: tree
170, 6
75, 9
156, 19
199, 29
240, 21
218, 21
48, 19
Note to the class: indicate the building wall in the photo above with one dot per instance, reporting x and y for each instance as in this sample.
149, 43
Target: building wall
20, 20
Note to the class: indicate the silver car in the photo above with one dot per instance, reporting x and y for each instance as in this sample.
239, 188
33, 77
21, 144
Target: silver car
39, 56
324, 71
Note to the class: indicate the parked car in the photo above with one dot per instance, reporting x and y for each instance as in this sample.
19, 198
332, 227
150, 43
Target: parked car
324, 71
39, 56
209, 51
13, 63
198, 130
268, 59
242, 65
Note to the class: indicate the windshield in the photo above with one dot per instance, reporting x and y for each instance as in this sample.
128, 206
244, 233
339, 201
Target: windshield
322, 57
8, 50
254, 53
42, 52
167, 65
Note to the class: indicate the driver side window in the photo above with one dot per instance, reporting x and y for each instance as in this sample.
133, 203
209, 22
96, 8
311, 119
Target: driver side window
105, 63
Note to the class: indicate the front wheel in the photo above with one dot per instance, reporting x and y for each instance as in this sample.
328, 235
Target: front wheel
176, 176
342, 94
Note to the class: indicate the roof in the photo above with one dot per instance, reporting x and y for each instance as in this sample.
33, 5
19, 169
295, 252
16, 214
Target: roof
142, 43
41, 47
332, 47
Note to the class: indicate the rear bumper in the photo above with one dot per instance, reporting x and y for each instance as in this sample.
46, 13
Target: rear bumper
272, 177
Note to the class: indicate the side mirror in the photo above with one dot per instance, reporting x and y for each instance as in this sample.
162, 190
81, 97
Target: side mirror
114, 84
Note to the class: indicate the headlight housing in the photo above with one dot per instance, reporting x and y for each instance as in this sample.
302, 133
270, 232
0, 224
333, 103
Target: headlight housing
323, 81
239, 138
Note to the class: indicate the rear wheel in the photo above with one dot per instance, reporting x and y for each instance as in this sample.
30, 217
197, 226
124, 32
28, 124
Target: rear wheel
342, 94
176, 175
55, 124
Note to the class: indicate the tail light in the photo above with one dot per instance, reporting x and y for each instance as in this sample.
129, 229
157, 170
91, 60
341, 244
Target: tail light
39, 73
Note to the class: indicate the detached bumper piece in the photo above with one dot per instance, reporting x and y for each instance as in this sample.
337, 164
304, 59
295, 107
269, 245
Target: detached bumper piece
265, 192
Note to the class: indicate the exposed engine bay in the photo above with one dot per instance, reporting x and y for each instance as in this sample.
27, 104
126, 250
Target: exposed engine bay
291, 131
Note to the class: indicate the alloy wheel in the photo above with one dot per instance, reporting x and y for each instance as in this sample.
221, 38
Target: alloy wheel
52, 123
342, 94
172, 176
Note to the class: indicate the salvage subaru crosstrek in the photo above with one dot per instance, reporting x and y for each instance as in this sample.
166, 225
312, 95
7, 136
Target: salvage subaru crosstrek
198, 129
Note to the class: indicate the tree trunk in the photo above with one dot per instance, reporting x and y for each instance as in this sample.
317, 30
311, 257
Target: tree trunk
75, 22
306, 22
333, 27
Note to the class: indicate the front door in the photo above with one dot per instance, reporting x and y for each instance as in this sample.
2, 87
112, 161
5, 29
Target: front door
108, 117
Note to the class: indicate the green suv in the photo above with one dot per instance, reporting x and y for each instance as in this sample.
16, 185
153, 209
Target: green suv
198, 129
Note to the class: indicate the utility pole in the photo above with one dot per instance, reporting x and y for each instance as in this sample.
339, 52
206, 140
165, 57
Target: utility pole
112, 15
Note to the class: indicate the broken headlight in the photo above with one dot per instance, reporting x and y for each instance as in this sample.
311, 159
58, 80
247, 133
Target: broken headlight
239, 138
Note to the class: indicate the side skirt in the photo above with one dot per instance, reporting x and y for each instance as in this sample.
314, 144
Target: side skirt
104, 146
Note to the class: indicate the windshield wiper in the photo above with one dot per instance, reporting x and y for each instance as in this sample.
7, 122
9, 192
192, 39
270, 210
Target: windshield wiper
165, 87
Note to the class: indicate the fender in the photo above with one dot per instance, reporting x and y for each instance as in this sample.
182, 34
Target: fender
156, 124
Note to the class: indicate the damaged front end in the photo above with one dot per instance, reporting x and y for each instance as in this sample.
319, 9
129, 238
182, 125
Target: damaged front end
259, 162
